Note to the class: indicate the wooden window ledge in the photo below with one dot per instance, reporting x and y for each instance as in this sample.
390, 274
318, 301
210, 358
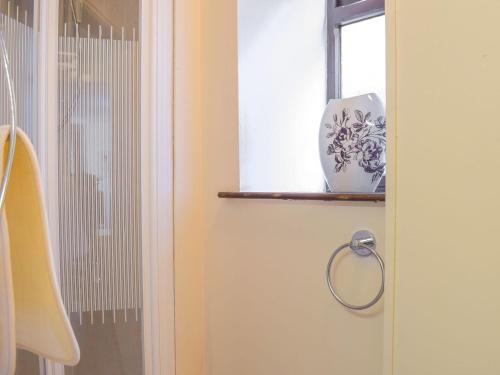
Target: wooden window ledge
346, 197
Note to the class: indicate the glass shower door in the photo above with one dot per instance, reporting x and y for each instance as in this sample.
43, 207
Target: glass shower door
99, 182
19, 26
94, 176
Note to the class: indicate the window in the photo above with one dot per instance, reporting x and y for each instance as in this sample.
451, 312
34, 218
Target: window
356, 48
289, 65
362, 58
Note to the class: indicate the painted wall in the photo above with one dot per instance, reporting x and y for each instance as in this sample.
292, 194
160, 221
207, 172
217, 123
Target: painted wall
188, 189
282, 93
267, 309
445, 87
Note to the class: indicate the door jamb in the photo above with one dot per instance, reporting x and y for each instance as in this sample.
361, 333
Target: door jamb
391, 187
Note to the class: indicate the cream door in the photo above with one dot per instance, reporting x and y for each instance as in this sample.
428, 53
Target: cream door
442, 303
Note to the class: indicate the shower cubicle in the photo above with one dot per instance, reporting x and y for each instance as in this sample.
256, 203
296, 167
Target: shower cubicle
97, 153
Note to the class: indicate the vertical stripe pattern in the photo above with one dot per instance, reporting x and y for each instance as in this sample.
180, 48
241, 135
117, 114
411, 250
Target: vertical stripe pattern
99, 174
21, 43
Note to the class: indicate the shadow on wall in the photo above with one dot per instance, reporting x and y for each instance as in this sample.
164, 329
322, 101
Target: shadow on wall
282, 93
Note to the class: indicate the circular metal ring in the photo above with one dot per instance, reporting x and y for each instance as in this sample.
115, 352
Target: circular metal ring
334, 292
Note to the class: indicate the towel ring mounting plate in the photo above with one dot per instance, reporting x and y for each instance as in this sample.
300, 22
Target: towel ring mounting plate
363, 237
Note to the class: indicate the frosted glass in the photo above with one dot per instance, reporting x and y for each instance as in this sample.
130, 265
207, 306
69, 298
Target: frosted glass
16, 23
21, 43
363, 58
99, 182
99, 186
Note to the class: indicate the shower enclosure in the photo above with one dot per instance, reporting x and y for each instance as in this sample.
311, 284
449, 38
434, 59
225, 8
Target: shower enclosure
87, 87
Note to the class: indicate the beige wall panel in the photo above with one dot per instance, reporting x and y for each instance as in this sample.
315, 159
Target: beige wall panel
447, 305
188, 190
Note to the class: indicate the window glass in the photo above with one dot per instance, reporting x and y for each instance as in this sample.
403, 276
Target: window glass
363, 58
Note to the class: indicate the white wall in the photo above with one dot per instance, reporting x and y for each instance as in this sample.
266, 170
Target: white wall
282, 93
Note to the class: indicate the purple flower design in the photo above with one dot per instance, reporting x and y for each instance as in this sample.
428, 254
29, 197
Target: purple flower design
362, 140
371, 150
371, 155
342, 136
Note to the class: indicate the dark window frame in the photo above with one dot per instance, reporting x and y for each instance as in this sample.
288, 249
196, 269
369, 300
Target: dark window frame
341, 13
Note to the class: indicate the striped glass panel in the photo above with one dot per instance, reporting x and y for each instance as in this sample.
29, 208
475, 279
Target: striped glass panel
21, 43
99, 174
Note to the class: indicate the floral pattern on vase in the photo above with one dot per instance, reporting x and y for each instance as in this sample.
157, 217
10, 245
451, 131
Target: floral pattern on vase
353, 143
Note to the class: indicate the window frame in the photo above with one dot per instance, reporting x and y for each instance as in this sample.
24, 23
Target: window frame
341, 13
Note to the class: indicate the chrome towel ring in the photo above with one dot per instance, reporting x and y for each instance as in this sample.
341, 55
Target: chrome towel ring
13, 119
363, 244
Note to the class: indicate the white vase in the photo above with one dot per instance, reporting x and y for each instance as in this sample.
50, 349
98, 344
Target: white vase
352, 143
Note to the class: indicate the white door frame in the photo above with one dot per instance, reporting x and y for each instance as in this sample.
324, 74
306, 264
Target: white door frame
156, 163
157, 186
